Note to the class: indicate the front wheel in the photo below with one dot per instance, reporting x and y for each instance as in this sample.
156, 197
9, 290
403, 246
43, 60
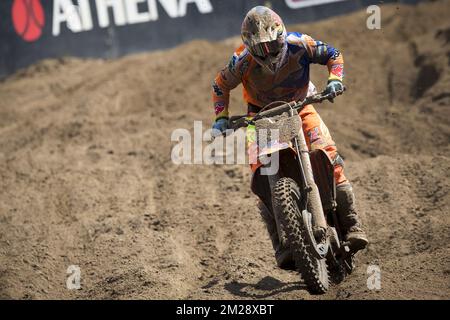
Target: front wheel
286, 197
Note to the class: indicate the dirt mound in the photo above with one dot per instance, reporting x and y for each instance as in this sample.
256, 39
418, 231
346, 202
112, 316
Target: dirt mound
86, 176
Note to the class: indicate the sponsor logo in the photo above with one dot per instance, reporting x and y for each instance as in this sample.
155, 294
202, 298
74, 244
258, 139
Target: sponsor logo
219, 107
28, 19
338, 70
79, 15
314, 135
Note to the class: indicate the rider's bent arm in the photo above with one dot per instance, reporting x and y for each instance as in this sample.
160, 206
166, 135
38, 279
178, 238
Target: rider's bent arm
226, 80
322, 53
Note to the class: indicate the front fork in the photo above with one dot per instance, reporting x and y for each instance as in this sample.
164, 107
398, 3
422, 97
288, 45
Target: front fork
314, 204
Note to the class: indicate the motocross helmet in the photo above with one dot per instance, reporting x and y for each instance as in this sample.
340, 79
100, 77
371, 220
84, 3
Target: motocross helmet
264, 35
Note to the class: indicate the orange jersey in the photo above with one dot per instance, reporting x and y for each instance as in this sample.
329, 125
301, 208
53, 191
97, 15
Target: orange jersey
290, 82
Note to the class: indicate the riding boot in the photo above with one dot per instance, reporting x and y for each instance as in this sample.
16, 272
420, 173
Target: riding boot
348, 218
283, 254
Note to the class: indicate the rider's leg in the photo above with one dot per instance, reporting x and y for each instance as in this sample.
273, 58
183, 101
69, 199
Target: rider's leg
349, 219
283, 254
318, 137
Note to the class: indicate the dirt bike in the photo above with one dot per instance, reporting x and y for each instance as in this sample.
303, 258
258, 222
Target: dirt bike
301, 193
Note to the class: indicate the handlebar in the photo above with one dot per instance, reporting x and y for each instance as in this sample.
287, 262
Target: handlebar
236, 122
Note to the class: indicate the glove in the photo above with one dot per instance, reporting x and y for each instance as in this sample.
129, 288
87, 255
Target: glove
220, 126
334, 87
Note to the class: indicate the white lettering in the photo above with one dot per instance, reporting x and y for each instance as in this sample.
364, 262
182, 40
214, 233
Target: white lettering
181, 152
79, 18
66, 11
133, 14
374, 20
117, 9
84, 11
73, 281
204, 6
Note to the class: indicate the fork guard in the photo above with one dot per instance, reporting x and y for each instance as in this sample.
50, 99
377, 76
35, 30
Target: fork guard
319, 250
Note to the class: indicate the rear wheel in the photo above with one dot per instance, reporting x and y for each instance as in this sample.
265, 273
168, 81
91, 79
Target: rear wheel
286, 196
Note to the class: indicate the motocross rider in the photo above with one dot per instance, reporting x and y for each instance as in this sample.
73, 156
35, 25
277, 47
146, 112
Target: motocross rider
272, 65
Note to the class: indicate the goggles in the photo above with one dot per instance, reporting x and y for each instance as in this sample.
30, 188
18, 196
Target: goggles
264, 49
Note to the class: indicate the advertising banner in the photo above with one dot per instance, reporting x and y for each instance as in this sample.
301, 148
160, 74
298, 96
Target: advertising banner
31, 30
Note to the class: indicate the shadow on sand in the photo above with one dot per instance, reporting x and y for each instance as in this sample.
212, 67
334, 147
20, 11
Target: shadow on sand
264, 288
